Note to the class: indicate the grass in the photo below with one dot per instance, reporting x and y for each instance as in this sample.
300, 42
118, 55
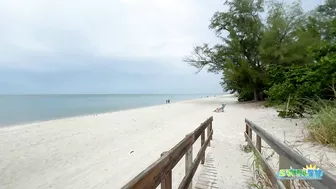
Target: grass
260, 179
322, 126
246, 148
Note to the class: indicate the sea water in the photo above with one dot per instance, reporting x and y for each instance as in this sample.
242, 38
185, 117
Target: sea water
19, 109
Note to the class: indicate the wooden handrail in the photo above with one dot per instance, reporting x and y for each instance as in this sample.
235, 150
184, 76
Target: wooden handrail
267, 168
187, 179
287, 156
157, 172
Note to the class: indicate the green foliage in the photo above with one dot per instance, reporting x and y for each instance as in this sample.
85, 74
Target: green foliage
289, 58
290, 54
245, 96
237, 58
293, 109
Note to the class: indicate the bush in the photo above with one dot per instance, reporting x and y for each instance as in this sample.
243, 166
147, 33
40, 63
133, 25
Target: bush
279, 93
245, 96
293, 109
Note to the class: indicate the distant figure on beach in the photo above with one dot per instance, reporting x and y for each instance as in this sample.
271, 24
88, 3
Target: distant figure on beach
168, 101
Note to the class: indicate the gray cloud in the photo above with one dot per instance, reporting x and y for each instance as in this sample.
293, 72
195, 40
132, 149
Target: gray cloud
128, 28
101, 42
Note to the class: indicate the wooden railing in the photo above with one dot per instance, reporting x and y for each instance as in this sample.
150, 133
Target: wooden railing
160, 172
287, 158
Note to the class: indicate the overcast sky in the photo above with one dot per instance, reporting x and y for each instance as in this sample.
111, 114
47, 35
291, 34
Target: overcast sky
105, 46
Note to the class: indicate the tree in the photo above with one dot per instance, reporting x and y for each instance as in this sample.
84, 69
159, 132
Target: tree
238, 57
302, 65
291, 53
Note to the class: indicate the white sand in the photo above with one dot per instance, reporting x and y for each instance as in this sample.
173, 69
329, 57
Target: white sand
95, 151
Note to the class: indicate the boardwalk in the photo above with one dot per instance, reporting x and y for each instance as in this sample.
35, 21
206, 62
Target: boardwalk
227, 166
208, 177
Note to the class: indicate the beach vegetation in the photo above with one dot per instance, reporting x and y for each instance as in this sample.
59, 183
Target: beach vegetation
278, 52
288, 52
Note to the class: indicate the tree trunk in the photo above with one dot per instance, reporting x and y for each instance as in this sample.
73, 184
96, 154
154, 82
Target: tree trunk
255, 95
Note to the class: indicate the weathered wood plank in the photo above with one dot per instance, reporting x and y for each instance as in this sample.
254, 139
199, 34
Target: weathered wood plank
202, 143
188, 163
284, 163
166, 183
258, 143
297, 161
152, 176
246, 130
211, 129
267, 168
198, 131
250, 133
188, 178
209, 133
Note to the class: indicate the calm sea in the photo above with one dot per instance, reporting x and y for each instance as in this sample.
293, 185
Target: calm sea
19, 109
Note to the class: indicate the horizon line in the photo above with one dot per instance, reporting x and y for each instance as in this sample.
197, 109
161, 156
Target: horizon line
32, 94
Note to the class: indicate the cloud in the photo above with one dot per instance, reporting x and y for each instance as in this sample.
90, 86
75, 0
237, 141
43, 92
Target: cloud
127, 28
41, 40
103, 81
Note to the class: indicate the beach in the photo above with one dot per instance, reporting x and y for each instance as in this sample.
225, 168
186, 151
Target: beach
107, 150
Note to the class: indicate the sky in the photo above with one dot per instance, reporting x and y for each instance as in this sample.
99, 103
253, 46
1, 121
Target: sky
105, 46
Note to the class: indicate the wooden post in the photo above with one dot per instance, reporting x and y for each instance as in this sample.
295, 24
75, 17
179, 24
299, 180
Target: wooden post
250, 133
202, 143
246, 130
284, 163
211, 129
258, 143
166, 183
188, 163
208, 133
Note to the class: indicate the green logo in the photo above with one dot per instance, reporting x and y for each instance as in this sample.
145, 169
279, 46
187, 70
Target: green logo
308, 173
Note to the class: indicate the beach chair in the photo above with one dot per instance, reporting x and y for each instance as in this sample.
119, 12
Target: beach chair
220, 109
223, 106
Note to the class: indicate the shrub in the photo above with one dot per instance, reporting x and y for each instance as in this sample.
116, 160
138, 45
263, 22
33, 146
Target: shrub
293, 108
322, 127
245, 96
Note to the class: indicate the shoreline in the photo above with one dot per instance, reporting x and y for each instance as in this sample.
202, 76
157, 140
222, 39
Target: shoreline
102, 151
34, 123
108, 150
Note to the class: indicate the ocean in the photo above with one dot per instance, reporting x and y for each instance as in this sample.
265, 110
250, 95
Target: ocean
20, 109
